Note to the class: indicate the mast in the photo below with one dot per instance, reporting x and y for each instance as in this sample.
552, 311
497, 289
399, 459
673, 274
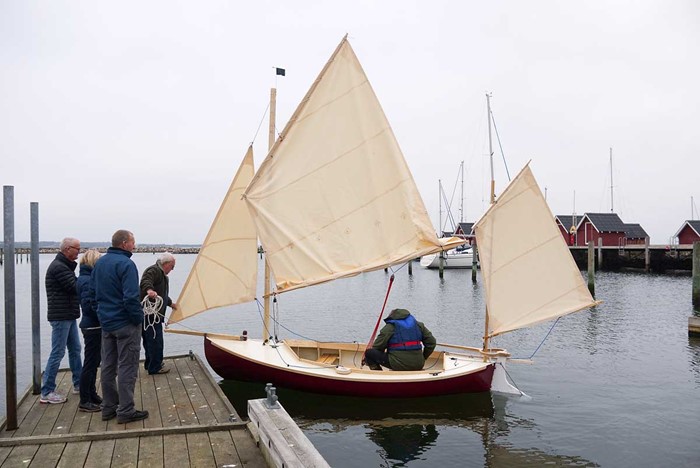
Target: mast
270, 143
493, 200
439, 234
461, 195
611, 183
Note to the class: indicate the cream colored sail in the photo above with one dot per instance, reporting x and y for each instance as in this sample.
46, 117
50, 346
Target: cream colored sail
529, 273
225, 270
335, 197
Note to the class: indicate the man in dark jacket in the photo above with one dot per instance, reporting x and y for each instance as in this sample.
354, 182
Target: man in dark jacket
63, 311
115, 286
155, 283
403, 343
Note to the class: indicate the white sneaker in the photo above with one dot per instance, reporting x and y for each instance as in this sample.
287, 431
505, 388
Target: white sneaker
52, 398
76, 391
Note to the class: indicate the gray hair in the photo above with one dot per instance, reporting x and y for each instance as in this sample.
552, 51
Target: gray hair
66, 242
166, 257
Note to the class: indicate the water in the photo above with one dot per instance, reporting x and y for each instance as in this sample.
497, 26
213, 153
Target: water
615, 386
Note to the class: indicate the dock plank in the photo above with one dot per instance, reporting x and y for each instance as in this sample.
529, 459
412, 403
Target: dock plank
247, 449
20, 456
149, 397
224, 449
74, 455
47, 456
183, 406
100, 451
218, 403
175, 450
126, 452
151, 452
200, 404
200, 451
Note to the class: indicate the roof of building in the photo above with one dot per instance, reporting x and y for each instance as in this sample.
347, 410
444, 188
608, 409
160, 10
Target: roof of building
694, 225
605, 222
635, 231
567, 220
465, 228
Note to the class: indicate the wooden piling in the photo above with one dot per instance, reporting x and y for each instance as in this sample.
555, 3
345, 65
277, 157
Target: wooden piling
35, 295
475, 264
696, 275
591, 268
600, 253
647, 255
442, 264
410, 268
10, 305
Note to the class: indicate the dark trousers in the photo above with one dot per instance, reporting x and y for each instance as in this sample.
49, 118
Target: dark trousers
375, 357
93, 357
153, 345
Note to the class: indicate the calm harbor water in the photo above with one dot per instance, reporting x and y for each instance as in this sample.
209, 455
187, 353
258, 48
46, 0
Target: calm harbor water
615, 386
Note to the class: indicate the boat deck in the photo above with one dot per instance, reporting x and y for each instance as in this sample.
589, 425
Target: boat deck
190, 423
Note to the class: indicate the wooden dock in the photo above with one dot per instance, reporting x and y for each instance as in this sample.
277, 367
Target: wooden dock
190, 423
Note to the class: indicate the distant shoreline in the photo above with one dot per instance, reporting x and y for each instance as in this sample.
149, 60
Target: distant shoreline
142, 249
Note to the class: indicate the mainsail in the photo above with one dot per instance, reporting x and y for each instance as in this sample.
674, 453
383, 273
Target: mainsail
225, 270
334, 197
529, 274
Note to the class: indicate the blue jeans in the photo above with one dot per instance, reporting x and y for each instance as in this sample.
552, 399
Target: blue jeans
64, 334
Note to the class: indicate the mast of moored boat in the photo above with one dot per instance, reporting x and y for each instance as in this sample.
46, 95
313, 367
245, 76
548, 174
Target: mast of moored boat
266, 295
492, 200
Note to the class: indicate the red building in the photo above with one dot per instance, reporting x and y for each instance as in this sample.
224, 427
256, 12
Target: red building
689, 232
606, 226
464, 230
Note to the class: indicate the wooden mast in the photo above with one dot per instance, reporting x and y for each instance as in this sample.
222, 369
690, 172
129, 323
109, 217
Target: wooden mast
270, 143
492, 201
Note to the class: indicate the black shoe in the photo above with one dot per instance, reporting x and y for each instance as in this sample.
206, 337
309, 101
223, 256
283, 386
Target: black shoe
96, 399
135, 416
108, 416
375, 367
89, 407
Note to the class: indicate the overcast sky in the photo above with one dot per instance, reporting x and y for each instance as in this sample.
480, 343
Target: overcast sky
136, 115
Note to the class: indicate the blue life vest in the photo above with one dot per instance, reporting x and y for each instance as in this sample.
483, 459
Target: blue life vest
407, 335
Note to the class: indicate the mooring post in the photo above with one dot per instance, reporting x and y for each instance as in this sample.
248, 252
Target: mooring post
696, 276
600, 253
591, 268
410, 268
442, 264
10, 340
647, 256
475, 264
36, 318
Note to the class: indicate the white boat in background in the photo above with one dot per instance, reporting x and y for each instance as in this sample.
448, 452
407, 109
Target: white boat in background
451, 259
316, 224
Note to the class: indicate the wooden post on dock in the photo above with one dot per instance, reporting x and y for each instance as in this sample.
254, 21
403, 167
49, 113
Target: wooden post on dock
35, 295
442, 264
696, 275
647, 255
10, 335
600, 253
591, 268
475, 264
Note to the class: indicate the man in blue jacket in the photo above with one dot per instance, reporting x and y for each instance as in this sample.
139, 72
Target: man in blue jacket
115, 287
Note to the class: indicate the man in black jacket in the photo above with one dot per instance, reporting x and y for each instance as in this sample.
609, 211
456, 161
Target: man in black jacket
63, 311
155, 283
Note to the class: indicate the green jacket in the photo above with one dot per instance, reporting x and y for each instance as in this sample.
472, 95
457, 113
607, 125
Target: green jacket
401, 359
155, 278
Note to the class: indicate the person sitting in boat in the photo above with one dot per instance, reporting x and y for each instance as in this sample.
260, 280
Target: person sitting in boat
403, 343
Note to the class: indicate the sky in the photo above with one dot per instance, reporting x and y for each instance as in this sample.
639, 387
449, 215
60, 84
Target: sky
136, 115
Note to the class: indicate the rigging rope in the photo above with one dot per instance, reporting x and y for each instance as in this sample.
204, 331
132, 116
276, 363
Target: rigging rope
151, 314
260, 124
543, 339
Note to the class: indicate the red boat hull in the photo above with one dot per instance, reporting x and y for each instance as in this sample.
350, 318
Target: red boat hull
231, 366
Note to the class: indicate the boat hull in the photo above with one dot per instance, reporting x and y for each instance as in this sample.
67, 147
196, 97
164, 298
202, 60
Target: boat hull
451, 260
231, 364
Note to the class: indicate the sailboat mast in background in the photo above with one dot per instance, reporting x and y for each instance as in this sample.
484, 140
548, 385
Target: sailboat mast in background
611, 183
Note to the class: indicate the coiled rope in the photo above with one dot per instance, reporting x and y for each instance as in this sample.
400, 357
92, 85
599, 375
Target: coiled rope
150, 313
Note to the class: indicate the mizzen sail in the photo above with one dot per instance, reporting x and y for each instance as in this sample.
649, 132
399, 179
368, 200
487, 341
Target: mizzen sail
334, 197
225, 270
529, 273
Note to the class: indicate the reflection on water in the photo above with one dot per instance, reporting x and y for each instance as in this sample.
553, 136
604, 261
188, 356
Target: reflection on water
398, 432
694, 357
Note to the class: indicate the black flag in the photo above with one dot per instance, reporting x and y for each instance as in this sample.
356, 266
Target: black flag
280, 71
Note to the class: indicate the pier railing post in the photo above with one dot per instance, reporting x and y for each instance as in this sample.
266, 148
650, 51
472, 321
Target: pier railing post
591, 268
10, 340
36, 317
696, 276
